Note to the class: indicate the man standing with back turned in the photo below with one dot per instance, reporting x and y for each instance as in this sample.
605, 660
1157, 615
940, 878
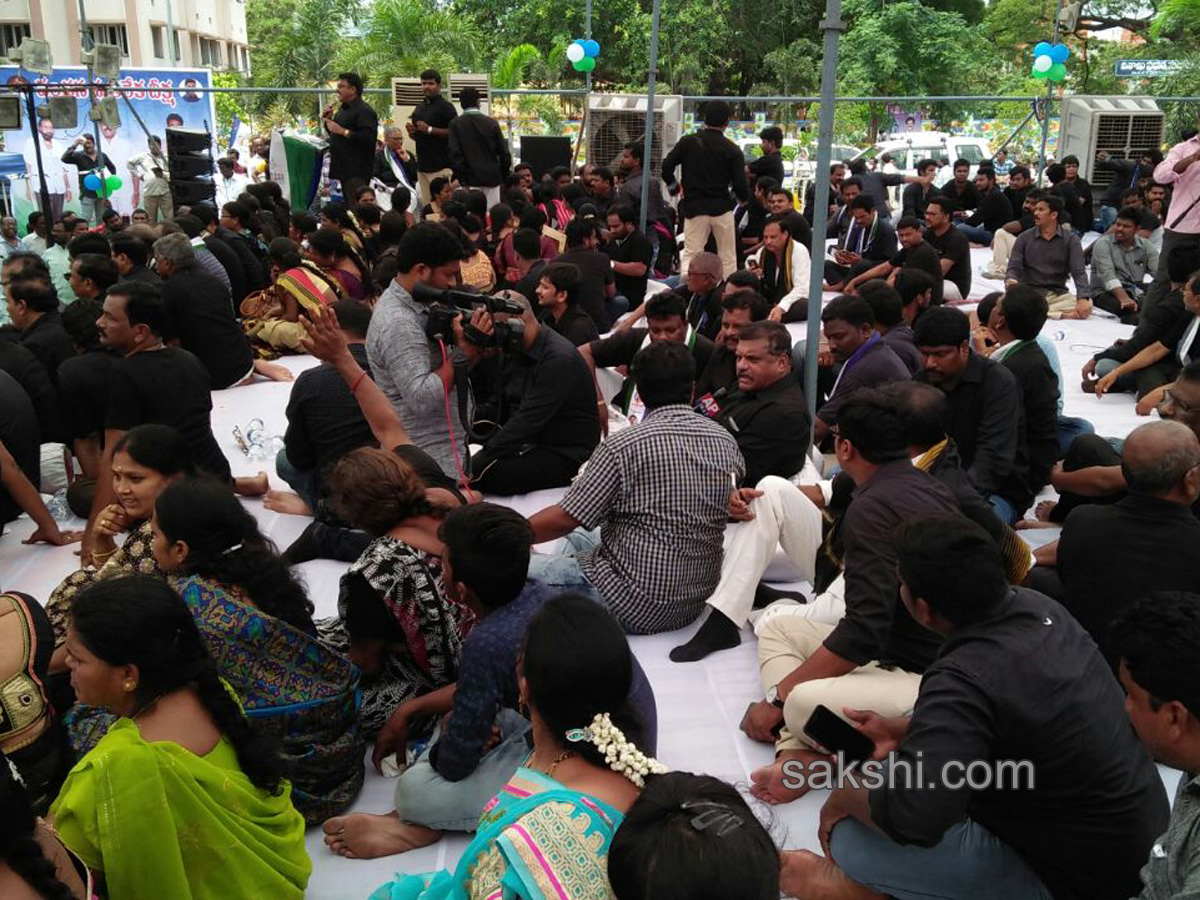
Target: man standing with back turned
712, 167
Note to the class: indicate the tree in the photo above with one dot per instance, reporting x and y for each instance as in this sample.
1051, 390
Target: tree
405, 37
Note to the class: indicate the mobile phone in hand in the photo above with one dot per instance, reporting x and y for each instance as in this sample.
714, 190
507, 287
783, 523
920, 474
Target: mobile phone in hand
836, 735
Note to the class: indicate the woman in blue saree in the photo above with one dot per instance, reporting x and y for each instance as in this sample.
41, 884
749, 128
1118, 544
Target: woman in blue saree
546, 835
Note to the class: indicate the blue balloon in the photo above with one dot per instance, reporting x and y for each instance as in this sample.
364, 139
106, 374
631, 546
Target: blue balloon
92, 182
591, 48
1059, 53
1041, 49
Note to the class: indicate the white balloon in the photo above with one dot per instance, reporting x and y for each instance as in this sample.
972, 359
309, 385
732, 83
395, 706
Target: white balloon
575, 52
1041, 64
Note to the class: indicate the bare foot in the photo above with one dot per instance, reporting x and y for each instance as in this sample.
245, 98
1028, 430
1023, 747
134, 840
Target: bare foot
252, 485
368, 836
767, 783
273, 371
804, 874
286, 502
1042, 510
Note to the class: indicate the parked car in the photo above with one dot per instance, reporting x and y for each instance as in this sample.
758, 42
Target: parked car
908, 149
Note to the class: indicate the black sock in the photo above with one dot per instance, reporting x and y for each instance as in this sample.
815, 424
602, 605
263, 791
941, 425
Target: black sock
717, 633
765, 595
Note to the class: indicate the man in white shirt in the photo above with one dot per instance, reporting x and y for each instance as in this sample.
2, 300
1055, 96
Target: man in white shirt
229, 183
35, 240
58, 180
784, 264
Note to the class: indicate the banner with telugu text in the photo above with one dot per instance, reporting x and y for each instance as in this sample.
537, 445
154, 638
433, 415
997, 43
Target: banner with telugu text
164, 97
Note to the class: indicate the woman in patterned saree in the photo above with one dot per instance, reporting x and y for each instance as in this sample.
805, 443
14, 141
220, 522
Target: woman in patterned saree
145, 460
395, 621
257, 622
546, 835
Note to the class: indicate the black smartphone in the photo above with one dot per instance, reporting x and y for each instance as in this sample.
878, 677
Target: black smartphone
838, 736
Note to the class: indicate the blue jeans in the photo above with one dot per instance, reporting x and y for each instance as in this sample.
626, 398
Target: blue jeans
302, 481
1005, 511
561, 570
423, 797
969, 863
1070, 428
976, 234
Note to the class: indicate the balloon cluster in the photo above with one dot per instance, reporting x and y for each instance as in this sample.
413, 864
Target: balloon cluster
112, 183
582, 53
1049, 61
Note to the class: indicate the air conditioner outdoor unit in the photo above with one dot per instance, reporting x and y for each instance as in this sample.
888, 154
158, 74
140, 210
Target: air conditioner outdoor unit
1124, 127
613, 120
481, 83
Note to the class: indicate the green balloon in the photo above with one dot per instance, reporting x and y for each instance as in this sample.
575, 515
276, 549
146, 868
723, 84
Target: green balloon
113, 183
1036, 74
586, 64
1057, 72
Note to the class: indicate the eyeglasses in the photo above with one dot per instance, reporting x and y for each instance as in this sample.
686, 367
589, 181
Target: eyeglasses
1173, 398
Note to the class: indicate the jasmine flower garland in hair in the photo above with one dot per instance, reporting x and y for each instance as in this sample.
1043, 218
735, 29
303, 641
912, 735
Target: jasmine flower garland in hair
621, 754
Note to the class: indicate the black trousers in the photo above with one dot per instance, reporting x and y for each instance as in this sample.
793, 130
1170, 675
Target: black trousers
1107, 301
536, 469
1086, 451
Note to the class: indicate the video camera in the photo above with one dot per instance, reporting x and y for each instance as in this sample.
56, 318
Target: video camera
507, 336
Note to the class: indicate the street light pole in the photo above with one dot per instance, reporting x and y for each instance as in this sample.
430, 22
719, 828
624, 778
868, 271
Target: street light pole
647, 143
89, 43
1046, 110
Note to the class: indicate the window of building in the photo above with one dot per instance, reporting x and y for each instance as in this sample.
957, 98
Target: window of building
11, 34
245, 61
156, 36
178, 52
112, 34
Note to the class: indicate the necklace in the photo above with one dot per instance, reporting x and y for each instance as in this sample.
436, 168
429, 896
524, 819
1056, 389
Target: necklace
554, 765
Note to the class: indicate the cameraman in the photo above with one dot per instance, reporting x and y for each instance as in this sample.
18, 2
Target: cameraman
546, 408
420, 376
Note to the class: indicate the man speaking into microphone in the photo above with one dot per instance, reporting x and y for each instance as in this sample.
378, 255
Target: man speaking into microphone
766, 415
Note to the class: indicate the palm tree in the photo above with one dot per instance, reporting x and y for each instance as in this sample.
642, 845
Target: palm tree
405, 37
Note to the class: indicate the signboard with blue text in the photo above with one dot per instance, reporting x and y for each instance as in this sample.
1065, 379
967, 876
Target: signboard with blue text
161, 98
1146, 68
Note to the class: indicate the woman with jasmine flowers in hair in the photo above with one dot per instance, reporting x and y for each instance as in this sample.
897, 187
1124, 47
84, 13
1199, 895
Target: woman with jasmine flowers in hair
547, 833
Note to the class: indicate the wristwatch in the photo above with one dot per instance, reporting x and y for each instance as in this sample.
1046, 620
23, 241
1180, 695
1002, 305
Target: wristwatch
773, 696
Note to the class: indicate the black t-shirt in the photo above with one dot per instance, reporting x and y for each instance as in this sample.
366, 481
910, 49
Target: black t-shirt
202, 319
27, 370
923, 256
433, 152
527, 286
83, 391
635, 248
576, 326
427, 469
620, 349
596, 271
167, 387
20, 434
954, 246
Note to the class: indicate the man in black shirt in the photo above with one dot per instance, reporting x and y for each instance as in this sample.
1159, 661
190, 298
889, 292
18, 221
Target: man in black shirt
200, 316
952, 246
83, 384
992, 213
33, 308
714, 171
917, 196
961, 190
984, 403
596, 282
890, 320
324, 419
770, 164
245, 272
28, 372
527, 246
631, 253
739, 307
84, 156
1019, 184
430, 130
91, 275
837, 171
129, 254
870, 239
1084, 217
1019, 692
558, 300
702, 291
915, 253
547, 412
477, 147
666, 319
352, 131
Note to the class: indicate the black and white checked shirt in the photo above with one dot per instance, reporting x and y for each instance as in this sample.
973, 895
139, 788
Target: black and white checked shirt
660, 493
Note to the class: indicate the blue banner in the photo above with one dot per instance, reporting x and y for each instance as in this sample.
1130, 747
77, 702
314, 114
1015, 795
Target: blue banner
162, 98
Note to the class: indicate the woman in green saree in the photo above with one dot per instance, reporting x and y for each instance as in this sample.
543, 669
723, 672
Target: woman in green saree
546, 835
183, 797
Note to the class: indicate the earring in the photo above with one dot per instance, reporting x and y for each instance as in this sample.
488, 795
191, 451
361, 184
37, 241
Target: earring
130, 685
523, 706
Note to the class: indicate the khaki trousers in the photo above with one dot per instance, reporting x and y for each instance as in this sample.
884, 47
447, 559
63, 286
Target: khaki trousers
1002, 244
695, 235
787, 642
159, 209
423, 179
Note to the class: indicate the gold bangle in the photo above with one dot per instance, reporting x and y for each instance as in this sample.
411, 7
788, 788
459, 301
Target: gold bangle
104, 555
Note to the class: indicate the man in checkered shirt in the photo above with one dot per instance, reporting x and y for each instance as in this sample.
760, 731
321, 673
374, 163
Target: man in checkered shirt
660, 495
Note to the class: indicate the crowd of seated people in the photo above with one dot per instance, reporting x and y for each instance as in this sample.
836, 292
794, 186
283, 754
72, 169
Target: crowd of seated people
178, 714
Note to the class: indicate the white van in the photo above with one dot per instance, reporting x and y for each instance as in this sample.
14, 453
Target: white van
908, 149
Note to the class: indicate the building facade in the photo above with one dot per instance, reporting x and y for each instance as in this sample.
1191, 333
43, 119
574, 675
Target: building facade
207, 32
